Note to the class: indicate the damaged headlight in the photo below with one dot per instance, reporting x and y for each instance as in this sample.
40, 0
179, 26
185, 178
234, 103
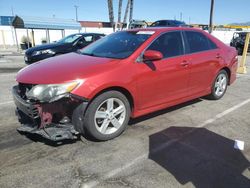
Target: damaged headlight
51, 92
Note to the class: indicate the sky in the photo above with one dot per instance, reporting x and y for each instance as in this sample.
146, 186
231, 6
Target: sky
195, 11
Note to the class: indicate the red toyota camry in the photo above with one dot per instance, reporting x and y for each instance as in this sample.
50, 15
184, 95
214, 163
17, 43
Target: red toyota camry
126, 74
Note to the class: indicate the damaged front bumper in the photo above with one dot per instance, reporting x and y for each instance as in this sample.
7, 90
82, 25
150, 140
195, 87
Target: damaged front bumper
52, 121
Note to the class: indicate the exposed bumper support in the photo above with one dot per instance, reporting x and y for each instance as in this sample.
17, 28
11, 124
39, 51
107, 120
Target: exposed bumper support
46, 119
54, 132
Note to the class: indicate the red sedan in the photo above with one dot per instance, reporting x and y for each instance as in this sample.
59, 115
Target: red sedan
126, 74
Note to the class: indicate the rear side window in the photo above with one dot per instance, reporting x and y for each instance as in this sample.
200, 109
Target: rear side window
169, 44
211, 44
198, 42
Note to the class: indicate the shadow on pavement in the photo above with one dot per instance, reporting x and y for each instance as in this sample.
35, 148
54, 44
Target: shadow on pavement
199, 156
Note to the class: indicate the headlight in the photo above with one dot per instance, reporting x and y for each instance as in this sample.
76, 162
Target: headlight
43, 52
51, 92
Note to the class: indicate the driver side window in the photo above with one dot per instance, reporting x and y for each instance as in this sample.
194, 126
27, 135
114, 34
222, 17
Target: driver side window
169, 44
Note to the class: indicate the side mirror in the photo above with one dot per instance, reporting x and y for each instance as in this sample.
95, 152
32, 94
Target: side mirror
152, 55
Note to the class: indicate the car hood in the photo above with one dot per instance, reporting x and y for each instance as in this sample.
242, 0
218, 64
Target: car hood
64, 68
45, 47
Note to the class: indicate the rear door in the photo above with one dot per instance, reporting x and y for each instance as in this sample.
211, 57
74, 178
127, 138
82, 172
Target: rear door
164, 80
204, 57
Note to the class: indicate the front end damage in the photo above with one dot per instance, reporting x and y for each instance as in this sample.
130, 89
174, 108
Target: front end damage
52, 120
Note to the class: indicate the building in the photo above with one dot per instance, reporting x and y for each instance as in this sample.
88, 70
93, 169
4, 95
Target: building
35, 29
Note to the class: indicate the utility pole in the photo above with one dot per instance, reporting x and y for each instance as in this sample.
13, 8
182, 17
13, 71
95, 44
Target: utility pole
126, 12
12, 11
119, 14
131, 10
211, 17
180, 16
76, 7
111, 13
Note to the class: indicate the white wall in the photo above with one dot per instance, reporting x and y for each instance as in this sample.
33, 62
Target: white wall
39, 34
8, 33
224, 36
104, 30
55, 35
70, 31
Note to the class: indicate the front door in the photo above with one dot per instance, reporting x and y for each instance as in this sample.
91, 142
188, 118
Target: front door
164, 80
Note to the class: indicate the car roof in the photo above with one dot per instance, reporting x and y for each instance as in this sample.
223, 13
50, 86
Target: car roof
174, 21
87, 34
164, 29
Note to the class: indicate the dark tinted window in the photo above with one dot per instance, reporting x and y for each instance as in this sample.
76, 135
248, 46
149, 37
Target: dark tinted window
159, 23
198, 42
169, 44
211, 44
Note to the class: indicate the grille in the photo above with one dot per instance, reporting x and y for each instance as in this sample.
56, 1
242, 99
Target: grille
23, 89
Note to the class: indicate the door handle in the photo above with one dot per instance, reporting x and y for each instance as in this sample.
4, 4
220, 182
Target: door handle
184, 63
218, 56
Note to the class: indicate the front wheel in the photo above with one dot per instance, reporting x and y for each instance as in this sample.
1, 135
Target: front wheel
219, 86
107, 115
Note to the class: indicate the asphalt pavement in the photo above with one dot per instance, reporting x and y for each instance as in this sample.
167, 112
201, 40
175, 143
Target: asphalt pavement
189, 145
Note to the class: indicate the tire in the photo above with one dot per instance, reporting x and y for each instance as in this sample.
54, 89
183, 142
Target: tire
102, 119
219, 86
239, 50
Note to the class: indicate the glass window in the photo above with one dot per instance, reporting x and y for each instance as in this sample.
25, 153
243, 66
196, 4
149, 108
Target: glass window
198, 42
211, 44
70, 38
169, 44
88, 38
118, 45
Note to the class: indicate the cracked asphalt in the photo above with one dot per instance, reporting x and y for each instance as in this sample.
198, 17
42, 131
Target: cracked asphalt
189, 145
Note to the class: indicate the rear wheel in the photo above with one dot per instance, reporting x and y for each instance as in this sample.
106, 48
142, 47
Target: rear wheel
219, 86
107, 115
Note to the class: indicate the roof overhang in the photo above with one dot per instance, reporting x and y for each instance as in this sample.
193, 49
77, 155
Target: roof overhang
44, 23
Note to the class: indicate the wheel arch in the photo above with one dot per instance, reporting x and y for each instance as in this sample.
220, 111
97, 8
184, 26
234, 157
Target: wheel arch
228, 73
122, 90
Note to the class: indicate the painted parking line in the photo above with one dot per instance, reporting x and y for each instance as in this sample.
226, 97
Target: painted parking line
144, 156
7, 102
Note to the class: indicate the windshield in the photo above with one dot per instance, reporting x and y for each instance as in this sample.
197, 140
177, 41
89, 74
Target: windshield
70, 38
118, 45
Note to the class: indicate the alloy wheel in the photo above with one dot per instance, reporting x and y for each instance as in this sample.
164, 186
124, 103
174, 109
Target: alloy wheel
110, 116
220, 85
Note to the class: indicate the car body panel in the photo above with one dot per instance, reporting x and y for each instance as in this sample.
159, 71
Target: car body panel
164, 80
64, 68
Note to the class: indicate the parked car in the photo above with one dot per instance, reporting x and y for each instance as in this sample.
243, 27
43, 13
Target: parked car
169, 23
68, 44
238, 41
125, 74
137, 24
